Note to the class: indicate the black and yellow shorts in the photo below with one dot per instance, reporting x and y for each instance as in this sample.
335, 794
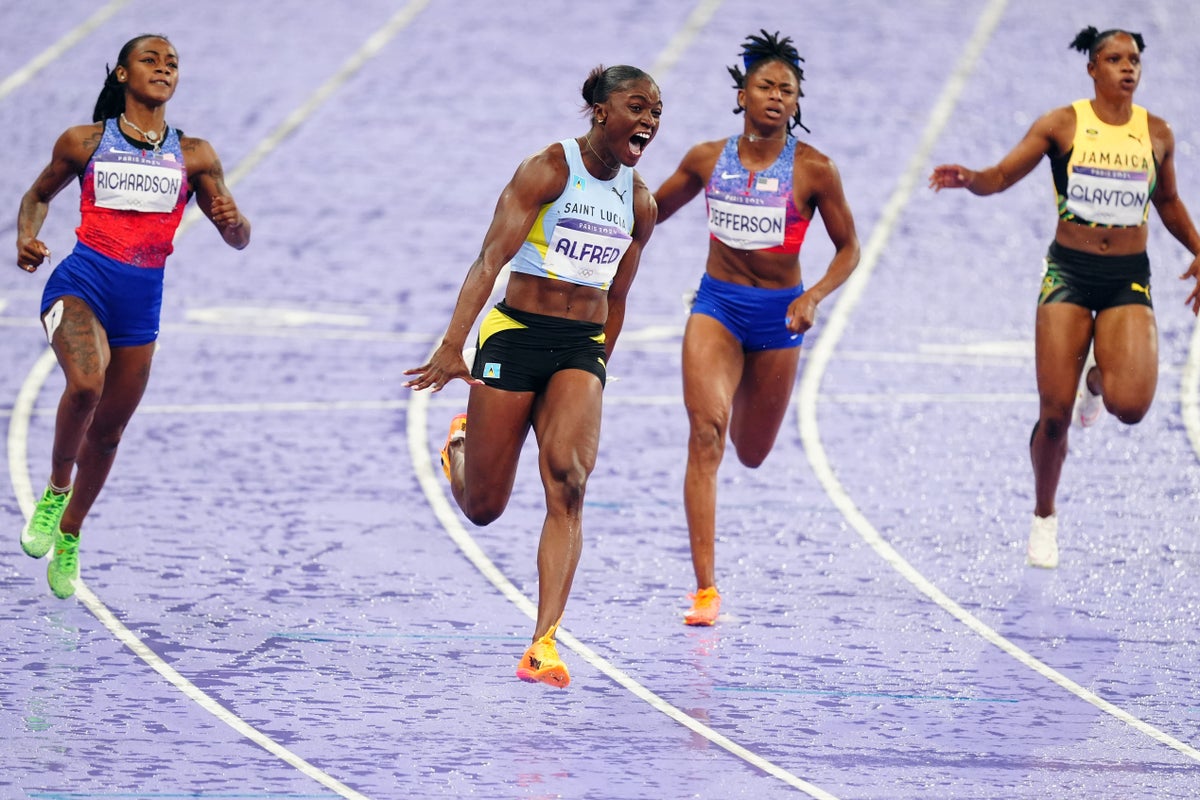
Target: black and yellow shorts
520, 352
1093, 281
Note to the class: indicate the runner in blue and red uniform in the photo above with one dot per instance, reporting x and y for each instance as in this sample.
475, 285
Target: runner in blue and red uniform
741, 346
100, 308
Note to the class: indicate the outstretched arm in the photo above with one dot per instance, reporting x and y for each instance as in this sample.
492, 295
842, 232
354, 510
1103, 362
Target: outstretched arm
538, 180
1051, 134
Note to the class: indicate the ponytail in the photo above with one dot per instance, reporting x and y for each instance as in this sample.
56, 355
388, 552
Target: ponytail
111, 102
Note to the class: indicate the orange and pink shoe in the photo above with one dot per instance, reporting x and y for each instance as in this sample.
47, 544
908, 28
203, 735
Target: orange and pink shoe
458, 431
706, 604
541, 663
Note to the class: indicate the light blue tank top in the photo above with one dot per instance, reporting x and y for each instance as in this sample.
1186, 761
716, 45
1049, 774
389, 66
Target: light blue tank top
582, 236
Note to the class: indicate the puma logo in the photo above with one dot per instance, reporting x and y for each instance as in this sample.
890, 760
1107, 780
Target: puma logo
619, 194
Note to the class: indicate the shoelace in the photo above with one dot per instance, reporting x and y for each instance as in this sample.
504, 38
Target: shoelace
67, 552
53, 508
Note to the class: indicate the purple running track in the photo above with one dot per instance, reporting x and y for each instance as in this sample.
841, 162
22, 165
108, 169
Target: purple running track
268, 537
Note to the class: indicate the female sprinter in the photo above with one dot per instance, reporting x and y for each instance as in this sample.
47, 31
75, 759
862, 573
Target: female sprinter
741, 346
1110, 160
100, 307
572, 221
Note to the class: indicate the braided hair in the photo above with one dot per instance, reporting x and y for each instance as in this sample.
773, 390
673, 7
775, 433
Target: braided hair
111, 102
1089, 40
757, 52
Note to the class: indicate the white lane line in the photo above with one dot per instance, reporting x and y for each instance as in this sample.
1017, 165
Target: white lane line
198, 696
18, 432
897, 398
47, 56
431, 485
822, 353
277, 407
422, 463
371, 48
701, 15
1189, 391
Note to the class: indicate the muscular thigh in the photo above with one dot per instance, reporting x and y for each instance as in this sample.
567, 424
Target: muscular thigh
712, 367
497, 424
1062, 334
78, 340
1126, 349
124, 384
566, 420
762, 397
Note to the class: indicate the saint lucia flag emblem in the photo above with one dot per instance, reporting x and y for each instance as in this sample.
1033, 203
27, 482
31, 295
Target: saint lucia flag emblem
491, 370
577, 182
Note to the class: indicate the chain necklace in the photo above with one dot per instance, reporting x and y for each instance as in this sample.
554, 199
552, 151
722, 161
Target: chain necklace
153, 138
588, 140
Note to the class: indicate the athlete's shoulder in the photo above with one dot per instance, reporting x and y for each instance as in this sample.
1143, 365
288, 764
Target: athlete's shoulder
77, 143
701, 158
552, 157
83, 135
810, 160
708, 150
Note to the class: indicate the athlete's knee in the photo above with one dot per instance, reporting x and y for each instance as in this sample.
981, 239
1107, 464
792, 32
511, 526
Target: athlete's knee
752, 456
1128, 402
83, 396
566, 485
482, 511
482, 517
751, 462
1129, 413
1052, 426
706, 438
105, 439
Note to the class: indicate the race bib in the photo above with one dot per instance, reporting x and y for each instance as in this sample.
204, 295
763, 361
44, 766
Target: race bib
586, 252
747, 225
130, 182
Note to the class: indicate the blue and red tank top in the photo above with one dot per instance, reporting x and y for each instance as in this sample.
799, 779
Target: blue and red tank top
750, 210
132, 200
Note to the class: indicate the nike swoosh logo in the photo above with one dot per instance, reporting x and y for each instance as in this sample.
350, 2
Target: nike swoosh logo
728, 176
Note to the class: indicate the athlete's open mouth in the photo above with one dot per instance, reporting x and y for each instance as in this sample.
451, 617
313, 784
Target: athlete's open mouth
638, 142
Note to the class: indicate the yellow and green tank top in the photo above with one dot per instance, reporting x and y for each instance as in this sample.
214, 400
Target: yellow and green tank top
1107, 177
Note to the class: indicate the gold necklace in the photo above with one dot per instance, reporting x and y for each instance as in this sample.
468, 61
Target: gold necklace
153, 138
588, 139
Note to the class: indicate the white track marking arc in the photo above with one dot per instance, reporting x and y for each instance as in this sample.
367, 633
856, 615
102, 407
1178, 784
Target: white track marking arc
822, 354
17, 443
431, 486
18, 431
1189, 391
47, 56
